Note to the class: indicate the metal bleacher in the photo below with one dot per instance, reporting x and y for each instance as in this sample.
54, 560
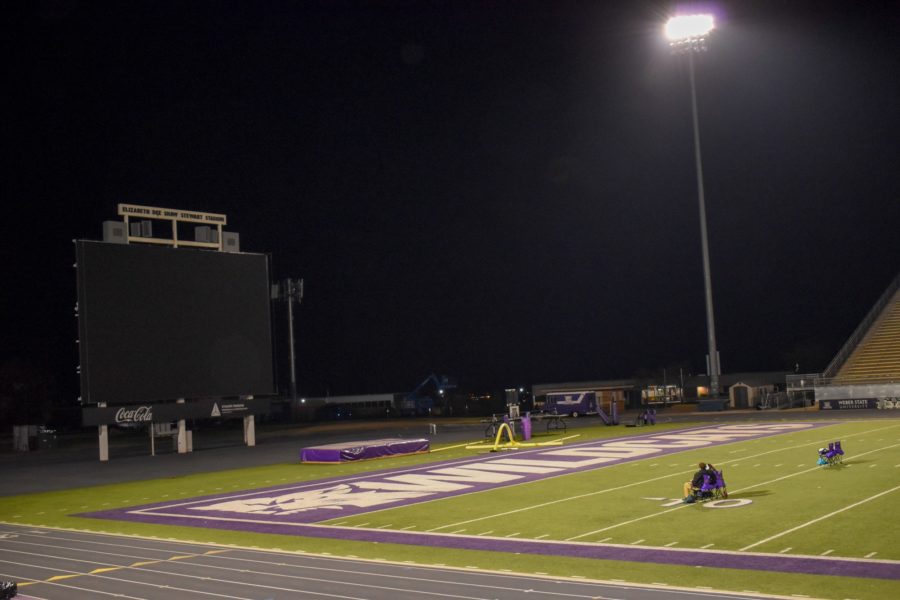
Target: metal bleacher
872, 354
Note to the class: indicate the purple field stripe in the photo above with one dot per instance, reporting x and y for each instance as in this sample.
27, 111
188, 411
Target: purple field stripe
183, 510
669, 556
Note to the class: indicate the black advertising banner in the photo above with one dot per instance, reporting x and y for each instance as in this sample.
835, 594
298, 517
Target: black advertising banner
164, 413
848, 403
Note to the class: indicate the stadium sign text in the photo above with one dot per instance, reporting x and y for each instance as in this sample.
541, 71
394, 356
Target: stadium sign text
187, 216
848, 403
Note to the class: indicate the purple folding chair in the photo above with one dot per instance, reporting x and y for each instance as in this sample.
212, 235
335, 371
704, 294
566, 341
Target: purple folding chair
831, 453
839, 452
720, 491
708, 489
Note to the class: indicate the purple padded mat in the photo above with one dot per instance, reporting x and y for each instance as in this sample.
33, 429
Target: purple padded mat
350, 451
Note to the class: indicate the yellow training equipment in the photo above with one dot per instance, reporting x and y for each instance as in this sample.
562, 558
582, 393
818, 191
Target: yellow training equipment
512, 444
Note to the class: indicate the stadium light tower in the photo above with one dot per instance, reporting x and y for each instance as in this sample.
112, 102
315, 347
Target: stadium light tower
689, 34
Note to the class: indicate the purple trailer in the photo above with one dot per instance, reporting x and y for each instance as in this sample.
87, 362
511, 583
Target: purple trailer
571, 403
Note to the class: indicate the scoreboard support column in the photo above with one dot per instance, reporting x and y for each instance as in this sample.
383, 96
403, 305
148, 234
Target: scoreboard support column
103, 439
250, 428
182, 433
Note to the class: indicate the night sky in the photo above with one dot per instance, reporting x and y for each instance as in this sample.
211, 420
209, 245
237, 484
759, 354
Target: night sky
501, 191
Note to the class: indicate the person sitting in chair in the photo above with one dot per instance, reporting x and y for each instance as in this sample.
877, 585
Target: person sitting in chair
696, 482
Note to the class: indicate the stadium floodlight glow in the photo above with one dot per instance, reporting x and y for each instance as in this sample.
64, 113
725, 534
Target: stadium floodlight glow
689, 32
689, 26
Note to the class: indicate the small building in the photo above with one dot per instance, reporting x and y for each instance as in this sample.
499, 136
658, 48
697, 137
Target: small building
749, 394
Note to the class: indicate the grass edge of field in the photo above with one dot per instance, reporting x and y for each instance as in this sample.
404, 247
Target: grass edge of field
636, 573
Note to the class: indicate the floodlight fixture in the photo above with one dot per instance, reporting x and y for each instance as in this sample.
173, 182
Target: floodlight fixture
689, 33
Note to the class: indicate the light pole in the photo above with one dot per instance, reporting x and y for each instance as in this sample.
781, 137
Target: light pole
689, 35
291, 291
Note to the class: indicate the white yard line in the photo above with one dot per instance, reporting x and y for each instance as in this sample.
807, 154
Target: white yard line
650, 516
823, 517
550, 503
597, 493
590, 533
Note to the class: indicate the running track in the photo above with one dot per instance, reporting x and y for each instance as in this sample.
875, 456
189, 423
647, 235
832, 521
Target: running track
69, 565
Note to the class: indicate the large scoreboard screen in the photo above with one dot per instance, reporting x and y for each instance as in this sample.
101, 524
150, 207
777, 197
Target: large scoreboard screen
160, 323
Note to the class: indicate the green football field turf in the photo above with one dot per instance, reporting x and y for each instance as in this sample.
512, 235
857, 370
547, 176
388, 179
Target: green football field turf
789, 506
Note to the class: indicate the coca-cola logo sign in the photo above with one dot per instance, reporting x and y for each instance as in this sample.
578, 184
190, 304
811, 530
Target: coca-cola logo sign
140, 414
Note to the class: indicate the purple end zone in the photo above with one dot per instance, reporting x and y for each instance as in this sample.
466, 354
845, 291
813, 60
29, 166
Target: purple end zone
298, 509
364, 450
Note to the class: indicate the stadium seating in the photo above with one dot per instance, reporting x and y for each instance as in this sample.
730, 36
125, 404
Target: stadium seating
877, 357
